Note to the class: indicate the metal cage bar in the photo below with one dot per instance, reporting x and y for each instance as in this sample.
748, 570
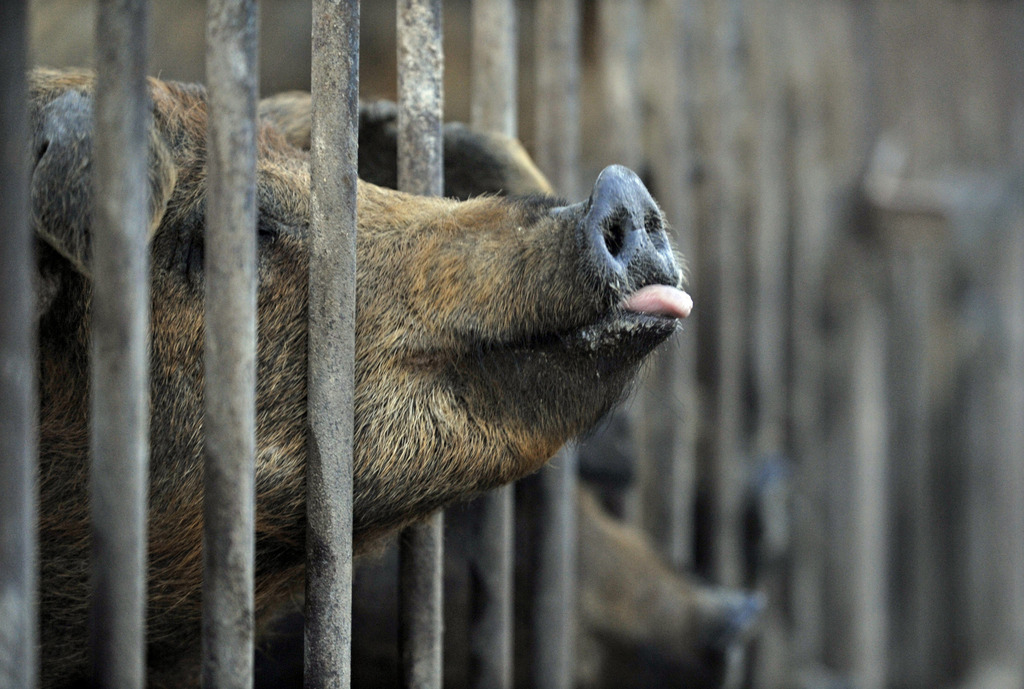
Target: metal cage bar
494, 66
420, 171
770, 241
557, 30
18, 540
728, 468
552, 617
557, 114
667, 434
493, 108
619, 29
119, 359
230, 354
331, 384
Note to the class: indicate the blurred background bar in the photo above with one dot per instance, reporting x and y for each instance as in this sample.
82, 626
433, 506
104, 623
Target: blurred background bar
493, 108
556, 38
665, 433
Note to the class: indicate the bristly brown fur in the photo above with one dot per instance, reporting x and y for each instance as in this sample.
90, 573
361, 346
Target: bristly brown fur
461, 383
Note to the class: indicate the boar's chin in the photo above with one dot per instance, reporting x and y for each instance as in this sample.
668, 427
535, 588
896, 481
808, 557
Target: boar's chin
560, 384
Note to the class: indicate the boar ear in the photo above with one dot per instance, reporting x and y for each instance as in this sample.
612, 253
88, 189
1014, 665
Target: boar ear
62, 186
488, 163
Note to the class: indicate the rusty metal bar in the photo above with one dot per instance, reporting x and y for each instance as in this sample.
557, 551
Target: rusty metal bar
557, 134
811, 236
557, 97
913, 266
553, 619
18, 540
728, 470
493, 108
230, 355
493, 101
119, 360
331, 376
619, 40
770, 245
420, 171
867, 492
1012, 403
769, 240
667, 434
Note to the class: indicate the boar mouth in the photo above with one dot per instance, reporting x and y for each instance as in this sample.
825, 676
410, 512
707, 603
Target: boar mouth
622, 335
636, 325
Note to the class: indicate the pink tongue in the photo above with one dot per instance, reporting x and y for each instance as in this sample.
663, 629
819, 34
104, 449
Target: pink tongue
660, 300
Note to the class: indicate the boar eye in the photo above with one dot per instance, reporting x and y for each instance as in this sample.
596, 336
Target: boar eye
267, 229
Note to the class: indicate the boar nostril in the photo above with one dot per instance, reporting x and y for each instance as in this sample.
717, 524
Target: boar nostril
41, 149
613, 231
623, 233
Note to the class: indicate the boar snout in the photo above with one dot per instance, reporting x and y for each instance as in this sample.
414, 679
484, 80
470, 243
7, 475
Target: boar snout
623, 233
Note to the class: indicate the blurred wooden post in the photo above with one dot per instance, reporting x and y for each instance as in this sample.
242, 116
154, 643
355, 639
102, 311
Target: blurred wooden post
556, 34
557, 97
1013, 415
421, 171
119, 356
1006, 640
770, 245
810, 241
331, 376
493, 108
867, 495
729, 470
918, 619
667, 423
18, 441
770, 241
618, 45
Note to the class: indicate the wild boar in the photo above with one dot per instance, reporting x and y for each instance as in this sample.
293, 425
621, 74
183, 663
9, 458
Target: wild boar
488, 333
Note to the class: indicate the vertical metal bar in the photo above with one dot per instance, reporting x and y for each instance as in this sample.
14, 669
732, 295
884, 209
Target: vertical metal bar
420, 171
986, 490
770, 244
1013, 412
619, 25
919, 619
728, 470
667, 434
557, 134
493, 108
553, 619
770, 241
230, 355
557, 116
810, 238
18, 630
119, 362
493, 102
331, 376
868, 487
